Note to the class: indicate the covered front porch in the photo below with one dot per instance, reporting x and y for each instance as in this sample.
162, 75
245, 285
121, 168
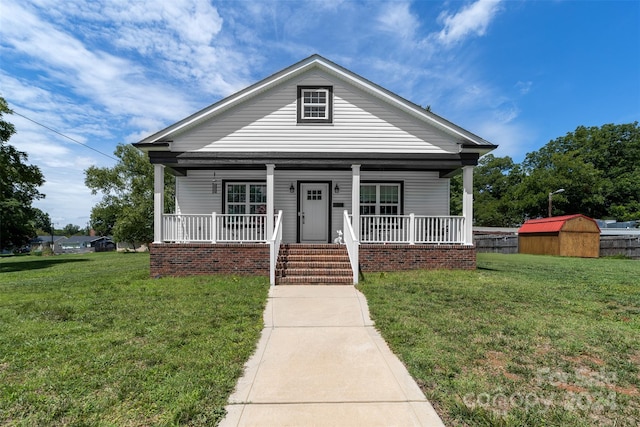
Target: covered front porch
324, 207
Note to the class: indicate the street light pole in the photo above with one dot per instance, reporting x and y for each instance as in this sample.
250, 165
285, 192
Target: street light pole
551, 195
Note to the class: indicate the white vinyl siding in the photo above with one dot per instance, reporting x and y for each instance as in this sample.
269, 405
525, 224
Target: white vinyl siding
424, 192
361, 123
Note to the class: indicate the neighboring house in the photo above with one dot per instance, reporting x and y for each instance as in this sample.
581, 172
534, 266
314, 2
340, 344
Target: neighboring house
309, 151
88, 243
40, 242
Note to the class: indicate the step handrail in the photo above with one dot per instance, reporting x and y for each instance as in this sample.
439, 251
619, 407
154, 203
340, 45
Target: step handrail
274, 248
352, 243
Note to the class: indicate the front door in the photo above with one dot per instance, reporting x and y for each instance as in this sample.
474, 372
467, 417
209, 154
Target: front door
313, 216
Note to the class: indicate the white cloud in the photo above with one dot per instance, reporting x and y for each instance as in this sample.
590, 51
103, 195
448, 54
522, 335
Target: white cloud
115, 71
67, 199
524, 87
514, 139
397, 19
473, 19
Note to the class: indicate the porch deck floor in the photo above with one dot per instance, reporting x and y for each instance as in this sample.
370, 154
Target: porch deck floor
321, 362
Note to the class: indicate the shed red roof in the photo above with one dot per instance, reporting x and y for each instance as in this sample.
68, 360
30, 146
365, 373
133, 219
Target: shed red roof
548, 225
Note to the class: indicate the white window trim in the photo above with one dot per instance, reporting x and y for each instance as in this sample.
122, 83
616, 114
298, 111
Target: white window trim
328, 104
247, 203
377, 205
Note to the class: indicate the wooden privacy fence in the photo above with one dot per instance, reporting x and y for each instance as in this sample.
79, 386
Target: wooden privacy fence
628, 246
502, 244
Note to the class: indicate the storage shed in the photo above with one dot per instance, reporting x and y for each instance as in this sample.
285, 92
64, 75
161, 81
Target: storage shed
570, 235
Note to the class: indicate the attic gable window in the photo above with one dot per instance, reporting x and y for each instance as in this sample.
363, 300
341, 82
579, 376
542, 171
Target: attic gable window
315, 104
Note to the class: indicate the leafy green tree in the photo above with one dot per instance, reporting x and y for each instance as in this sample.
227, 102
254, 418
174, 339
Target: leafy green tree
71, 230
599, 168
42, 222
494, 182
19, 184
126, 209
103, 217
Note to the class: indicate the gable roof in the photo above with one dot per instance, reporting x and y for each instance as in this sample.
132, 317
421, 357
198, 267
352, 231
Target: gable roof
469, 141
550, 225
86, 239
40, 239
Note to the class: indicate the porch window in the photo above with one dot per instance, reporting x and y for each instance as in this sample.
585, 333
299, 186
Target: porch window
380, 199
315, 104
246, 198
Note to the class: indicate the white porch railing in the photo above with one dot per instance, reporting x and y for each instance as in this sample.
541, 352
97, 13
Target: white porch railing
187, 228
214, 228
351, 241
253, 228
411, 229
274, 248
240, 228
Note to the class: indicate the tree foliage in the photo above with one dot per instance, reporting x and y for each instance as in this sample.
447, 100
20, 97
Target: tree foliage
598, 168
19, 184
71, 230
42, 222
126, 209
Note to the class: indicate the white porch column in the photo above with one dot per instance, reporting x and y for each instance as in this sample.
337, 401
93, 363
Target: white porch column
355, 200
270, 204
158, 202
467, 203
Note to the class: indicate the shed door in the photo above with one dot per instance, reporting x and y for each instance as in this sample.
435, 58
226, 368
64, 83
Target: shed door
313, 217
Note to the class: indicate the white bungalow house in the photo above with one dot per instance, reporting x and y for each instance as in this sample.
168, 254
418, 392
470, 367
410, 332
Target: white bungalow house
308, 158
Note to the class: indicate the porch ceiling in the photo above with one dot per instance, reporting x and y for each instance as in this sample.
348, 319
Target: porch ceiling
444, 163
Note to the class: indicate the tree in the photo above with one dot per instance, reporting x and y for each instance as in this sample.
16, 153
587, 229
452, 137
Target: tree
126, 209
71, 230
103, 217
42, 222
494, 181
599, 168
19, 184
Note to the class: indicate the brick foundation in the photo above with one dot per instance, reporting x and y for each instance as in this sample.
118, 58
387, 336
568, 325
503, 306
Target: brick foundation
416, 257
189, 259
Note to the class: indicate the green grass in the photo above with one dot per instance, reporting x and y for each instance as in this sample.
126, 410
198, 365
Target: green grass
523, 340
92, 340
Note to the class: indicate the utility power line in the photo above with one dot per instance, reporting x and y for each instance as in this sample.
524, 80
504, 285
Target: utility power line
63, 135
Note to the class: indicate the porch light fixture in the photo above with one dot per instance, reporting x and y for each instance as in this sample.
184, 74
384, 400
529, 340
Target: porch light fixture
336, 189
292, 189
214, 185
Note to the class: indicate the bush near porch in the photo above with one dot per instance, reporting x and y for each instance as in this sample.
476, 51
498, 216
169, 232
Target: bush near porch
523, 340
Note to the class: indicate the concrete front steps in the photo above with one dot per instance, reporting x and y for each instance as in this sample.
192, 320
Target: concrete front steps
317, 264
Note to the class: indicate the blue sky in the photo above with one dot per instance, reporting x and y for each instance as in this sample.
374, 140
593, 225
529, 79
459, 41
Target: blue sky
103, 72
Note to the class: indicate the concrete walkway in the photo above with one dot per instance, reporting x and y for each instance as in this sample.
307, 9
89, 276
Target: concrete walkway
320, 362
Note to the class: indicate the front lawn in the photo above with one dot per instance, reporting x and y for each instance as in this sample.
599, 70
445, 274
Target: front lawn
524, 340
92, 340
